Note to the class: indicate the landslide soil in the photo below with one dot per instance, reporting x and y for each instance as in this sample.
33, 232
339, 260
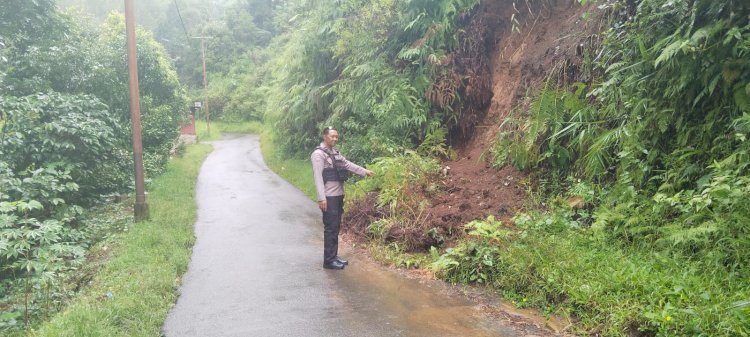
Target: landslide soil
549, 45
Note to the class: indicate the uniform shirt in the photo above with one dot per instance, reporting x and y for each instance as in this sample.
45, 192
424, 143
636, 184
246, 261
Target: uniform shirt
321, 160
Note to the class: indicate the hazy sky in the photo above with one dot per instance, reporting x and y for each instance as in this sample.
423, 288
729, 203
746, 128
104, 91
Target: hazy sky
150, 13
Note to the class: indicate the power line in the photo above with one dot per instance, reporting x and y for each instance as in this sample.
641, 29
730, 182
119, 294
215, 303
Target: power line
187, 37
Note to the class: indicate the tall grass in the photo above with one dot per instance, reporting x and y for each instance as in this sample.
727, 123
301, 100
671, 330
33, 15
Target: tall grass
132, 293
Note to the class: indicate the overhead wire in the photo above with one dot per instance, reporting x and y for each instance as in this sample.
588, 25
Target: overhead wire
187, 36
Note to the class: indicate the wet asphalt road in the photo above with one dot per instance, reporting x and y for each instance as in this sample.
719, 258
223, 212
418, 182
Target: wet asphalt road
256, 268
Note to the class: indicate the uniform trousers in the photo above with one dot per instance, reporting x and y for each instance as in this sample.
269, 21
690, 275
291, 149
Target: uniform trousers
331, 227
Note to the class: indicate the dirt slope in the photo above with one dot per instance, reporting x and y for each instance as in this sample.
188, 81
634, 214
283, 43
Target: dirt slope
549, 42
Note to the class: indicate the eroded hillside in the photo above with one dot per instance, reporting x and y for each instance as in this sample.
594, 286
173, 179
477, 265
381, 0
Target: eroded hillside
523, 48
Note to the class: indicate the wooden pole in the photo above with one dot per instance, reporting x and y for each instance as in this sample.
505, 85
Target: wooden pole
141, 207
205, 82
205, 87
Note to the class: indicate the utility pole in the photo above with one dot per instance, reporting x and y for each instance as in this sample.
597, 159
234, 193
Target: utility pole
205, 82
141, 207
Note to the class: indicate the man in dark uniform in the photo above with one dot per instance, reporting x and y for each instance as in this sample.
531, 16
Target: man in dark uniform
330, 171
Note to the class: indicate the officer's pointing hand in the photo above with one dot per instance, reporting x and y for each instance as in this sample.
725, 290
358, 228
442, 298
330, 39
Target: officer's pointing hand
369, 173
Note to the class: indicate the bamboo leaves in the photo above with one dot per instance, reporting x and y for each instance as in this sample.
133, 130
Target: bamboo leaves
375, 69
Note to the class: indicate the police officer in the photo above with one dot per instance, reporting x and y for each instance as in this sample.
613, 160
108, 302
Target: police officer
330, 171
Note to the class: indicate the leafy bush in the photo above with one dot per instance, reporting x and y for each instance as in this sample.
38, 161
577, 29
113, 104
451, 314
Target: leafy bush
27, 27
474, 259
397, 178
57, 150
163, 100
711, 219
676, 119
557, 131
37, 241
65, 140
75, 130
404, 184
70, 55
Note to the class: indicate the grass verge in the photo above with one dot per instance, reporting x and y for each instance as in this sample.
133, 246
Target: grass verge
148, 261
217, 127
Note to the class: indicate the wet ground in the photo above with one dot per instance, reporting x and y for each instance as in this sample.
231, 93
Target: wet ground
257, 268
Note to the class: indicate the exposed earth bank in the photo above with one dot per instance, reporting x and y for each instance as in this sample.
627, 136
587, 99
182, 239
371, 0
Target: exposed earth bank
548, 43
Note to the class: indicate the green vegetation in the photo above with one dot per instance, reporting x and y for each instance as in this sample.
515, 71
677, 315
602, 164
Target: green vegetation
641, 162
363, 66
67, 54
74, 132
572, 273
65, 143
41, 255
404, 184
131, 294
646, 168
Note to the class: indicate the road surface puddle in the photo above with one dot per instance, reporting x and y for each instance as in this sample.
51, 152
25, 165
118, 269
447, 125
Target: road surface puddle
412, 307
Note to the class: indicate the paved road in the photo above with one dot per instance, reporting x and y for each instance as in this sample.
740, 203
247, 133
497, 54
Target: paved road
257, 269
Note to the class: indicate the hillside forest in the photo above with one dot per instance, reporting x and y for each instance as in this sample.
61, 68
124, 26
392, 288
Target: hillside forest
586, 158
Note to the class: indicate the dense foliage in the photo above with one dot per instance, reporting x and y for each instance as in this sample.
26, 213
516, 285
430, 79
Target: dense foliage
658, 141
236, 60
71, 56
665, 131
75, 131
365, 66
608, 290
383, 71
65, 141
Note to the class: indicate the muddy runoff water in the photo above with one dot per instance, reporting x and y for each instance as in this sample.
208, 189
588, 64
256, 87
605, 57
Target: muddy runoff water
256, 269
412, 307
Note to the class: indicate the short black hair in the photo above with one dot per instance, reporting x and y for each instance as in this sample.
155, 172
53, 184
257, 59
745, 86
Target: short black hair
328, 129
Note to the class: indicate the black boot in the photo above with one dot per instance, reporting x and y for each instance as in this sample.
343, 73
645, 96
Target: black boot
333, 265
344, 262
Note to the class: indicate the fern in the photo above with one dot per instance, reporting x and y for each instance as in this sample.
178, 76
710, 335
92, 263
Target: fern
670, 51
